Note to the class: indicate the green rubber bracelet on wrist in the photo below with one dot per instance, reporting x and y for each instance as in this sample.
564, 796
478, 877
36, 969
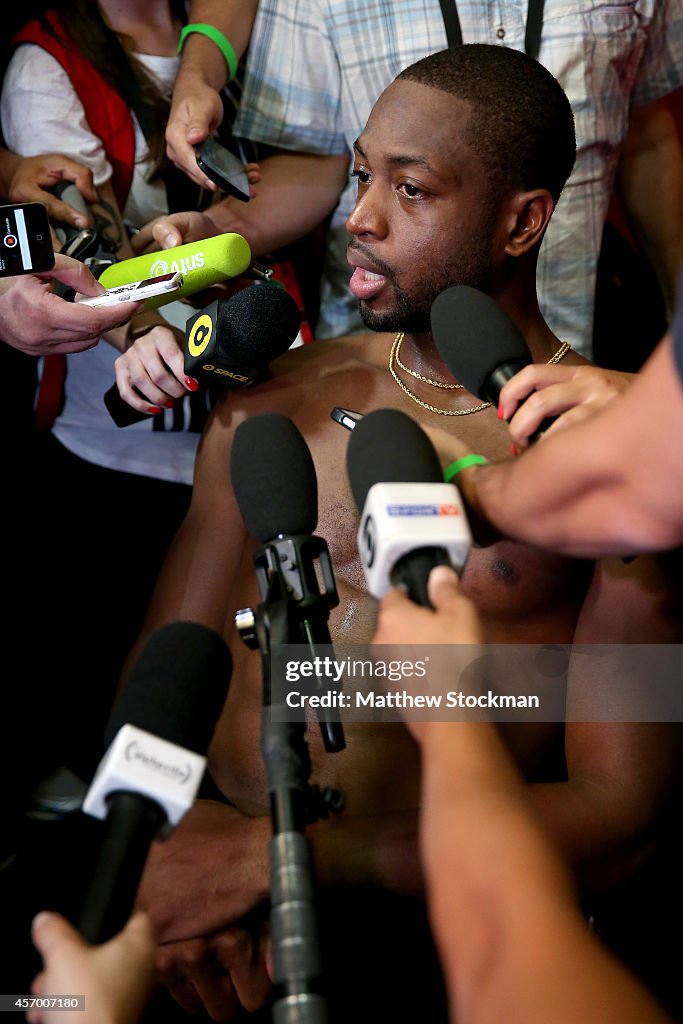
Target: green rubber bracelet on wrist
457, 467
217, 37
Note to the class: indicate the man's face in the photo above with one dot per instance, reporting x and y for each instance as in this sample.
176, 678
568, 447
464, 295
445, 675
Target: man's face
423, 218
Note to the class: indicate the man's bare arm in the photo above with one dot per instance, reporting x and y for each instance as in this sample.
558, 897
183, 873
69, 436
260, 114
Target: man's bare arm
622, 772
650, 184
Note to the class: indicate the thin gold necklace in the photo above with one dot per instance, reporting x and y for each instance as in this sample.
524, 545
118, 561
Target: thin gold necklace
413, 373
393, 358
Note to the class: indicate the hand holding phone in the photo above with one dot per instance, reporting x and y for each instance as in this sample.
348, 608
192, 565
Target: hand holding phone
138, 291
25, 239
224, 169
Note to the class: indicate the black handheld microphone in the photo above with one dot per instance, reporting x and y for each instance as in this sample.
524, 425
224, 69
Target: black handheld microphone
230, 343
158, 734
276, 487
410, 519
479, 343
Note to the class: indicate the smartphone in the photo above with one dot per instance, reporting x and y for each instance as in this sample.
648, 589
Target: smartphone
165, 284
346, 417
25, 239
224, 168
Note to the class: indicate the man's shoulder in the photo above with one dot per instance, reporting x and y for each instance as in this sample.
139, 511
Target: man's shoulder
328, 355
308, 374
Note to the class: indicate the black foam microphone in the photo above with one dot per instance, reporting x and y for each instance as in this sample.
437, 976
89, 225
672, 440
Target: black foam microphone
479, 343
158, 734
276, 487
230, 343
411, 520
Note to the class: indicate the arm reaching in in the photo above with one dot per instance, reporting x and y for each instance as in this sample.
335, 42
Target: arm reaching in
607, 486
36, 321
196, 108
296, 192
569, 393
512, 942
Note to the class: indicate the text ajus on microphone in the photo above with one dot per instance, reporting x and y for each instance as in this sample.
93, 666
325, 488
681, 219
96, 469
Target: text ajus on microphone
202, 264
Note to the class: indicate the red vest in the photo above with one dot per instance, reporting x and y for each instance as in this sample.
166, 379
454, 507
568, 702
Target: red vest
106, 112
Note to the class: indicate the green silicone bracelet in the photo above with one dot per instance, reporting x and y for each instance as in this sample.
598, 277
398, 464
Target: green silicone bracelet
216, 36
456, 467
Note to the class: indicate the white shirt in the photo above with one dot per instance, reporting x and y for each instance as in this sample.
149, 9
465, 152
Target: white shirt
41, 113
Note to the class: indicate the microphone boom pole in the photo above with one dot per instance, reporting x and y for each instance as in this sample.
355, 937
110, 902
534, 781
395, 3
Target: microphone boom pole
292, 610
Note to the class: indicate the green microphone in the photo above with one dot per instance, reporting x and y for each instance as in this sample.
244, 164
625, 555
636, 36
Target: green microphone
202, 264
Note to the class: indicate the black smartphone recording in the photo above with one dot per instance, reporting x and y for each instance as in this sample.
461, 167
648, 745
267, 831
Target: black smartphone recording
346, 417
224, 169
25, 239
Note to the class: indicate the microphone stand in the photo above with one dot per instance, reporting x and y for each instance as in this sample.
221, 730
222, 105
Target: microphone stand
292, 606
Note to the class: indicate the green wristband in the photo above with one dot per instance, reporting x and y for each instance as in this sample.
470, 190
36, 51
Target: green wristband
217, 37
457, 467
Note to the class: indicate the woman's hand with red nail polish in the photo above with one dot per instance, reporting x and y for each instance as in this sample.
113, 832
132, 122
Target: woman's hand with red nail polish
151, 372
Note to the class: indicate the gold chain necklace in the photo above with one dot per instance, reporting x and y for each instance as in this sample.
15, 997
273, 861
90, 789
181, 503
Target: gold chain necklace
393, 354
413, 373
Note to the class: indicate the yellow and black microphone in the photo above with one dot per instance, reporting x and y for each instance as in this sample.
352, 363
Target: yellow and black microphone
230, 343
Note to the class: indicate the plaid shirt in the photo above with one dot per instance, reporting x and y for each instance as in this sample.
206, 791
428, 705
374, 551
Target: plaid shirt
316, 67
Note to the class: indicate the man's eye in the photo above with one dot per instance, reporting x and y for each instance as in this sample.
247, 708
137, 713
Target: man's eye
363, 176
411, 191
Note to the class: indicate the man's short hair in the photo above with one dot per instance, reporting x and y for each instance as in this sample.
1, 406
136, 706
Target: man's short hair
522, 126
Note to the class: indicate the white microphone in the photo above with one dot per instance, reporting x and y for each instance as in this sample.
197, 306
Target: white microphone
158, 734
410, 520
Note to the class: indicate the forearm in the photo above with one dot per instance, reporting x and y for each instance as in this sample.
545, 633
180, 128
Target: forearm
296, 192
607, 486
489, 868
529, 499
201, 57
512, 942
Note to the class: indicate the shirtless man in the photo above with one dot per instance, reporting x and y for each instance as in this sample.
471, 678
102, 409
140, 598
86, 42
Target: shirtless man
459, 168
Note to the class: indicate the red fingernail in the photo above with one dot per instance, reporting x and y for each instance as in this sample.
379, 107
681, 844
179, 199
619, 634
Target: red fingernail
191, 384
500, 411
169, 404
514, 449
153, 409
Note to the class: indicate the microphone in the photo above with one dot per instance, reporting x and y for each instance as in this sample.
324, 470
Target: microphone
411, 520
276, 488
479, 343
158, 734
202, 265
230, 342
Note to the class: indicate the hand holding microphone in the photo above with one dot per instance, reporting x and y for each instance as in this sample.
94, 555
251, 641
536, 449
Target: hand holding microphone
567, 393
479, 343
411, 520
230, 343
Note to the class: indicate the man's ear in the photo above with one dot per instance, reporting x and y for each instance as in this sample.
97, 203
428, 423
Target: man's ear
527, 218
